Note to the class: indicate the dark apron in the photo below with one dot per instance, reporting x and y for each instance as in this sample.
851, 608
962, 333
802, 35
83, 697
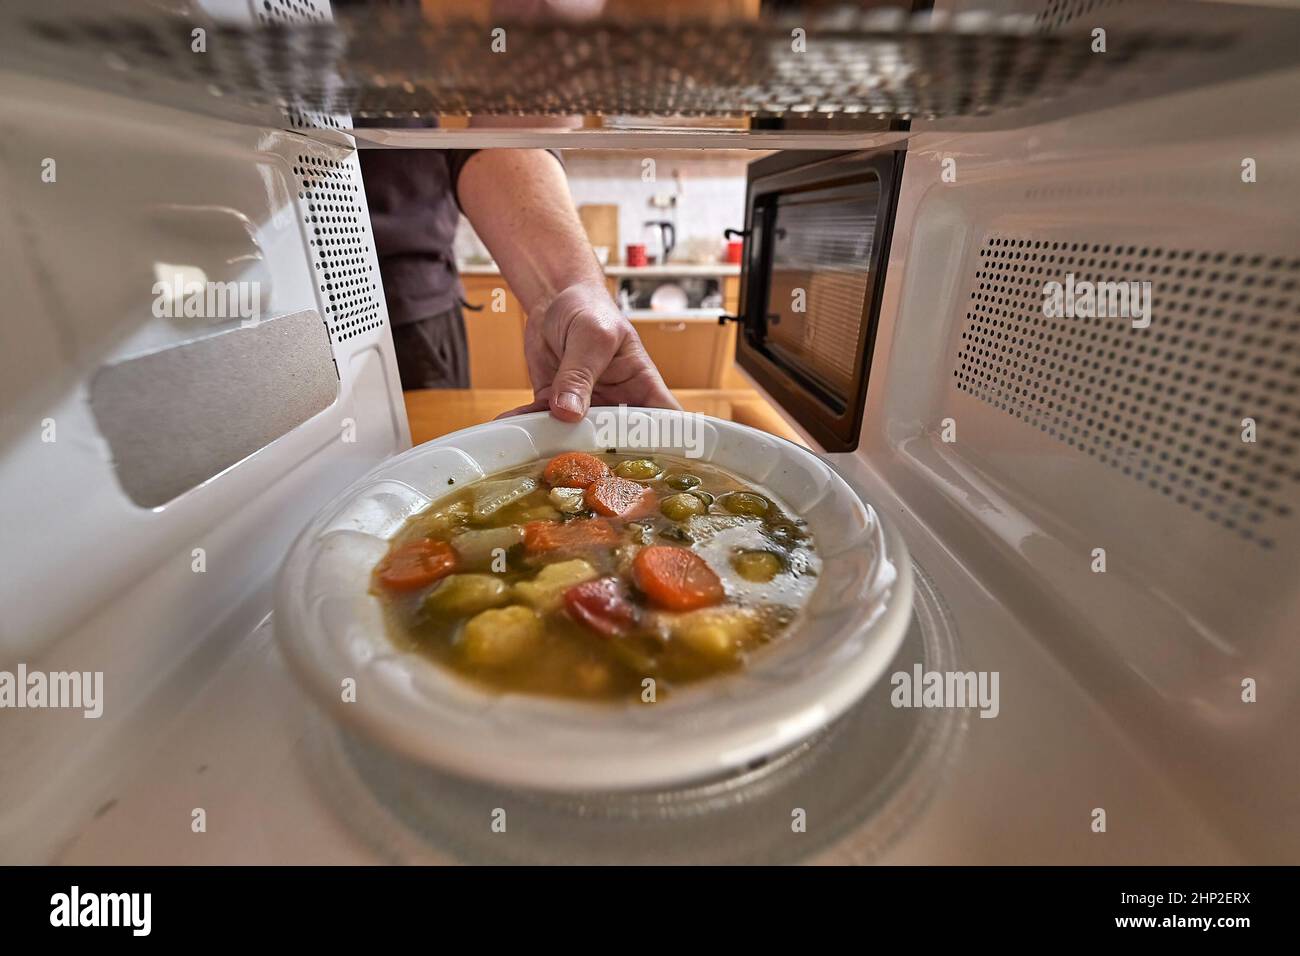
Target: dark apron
433, 352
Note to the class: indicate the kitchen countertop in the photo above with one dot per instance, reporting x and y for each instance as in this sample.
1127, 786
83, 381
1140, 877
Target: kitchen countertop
619, 271
434, 412
710, 316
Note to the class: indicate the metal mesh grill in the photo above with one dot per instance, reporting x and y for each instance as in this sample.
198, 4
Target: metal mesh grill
332, 202
850, 64
1057, 13
291, 12
1163, 404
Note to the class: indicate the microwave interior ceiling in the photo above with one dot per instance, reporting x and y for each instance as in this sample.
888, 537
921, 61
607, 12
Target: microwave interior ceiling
832, 68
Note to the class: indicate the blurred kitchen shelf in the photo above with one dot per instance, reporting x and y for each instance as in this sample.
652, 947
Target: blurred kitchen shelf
436, 412
695, 154
676, 315
613, 269
676, 269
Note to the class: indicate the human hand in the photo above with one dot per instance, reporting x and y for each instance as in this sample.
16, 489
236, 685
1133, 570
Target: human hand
582, 351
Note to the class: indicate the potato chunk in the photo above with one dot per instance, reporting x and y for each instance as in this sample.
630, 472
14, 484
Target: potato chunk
545, 592
717, 633
467, 594
501, 636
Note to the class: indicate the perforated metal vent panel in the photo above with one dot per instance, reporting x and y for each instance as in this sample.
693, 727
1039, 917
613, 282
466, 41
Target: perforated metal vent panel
298, 12
332, 201
1163, 404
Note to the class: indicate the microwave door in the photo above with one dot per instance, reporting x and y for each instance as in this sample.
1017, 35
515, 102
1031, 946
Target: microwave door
817, 234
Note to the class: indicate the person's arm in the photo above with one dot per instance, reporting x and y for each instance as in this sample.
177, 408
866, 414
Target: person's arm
581, 350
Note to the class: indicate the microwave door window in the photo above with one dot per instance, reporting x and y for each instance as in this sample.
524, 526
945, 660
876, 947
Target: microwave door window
819, 280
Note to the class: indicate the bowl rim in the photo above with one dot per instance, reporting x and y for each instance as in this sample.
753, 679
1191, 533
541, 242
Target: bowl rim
800, 708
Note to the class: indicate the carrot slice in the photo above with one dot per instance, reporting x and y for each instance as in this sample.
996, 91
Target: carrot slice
581, 535
676, 578
574, 469
620, 498
416, 564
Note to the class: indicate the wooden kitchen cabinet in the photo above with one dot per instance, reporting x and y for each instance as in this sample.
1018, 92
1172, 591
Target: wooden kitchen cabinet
688, 354
729, 374
496, 339
731, 294
691, 353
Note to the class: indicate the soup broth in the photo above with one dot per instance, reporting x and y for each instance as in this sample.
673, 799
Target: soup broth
596, 576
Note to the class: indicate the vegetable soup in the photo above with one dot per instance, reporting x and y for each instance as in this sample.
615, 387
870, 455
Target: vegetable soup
589, 576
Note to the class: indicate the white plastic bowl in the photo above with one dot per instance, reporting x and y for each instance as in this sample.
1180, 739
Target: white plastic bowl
331, 627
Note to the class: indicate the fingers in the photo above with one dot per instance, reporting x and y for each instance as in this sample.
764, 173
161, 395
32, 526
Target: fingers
645, 388
542, 360
632, 379
589, 347
537, 405
594, 351
666, 399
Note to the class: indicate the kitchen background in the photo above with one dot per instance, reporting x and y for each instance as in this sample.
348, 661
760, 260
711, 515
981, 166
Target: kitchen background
674, 305
708, 187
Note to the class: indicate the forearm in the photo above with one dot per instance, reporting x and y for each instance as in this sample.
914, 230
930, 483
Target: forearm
518, 201
580, 349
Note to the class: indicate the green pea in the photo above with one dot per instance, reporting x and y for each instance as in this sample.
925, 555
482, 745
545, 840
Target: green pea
638, 469
758, 566
683, 507
746, 503
683, 482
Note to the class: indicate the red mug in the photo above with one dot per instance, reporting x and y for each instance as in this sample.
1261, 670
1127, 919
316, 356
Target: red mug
735, 250
636, 254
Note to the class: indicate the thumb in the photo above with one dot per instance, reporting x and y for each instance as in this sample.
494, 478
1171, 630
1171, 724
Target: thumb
589, 347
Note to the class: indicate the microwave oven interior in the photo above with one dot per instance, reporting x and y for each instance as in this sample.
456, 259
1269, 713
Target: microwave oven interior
1101, 510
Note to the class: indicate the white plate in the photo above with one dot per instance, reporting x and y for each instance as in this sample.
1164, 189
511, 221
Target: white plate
331, 627
669, 298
